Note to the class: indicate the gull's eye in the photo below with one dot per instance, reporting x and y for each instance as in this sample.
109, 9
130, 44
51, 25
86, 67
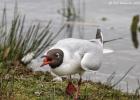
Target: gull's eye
57, 55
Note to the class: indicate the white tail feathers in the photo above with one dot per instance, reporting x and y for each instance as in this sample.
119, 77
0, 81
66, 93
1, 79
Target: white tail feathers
105, 51
99, 35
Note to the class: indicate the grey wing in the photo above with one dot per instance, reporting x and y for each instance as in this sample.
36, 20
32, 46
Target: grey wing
91, 61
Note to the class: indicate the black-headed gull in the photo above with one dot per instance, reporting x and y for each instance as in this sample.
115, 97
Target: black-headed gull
71, 56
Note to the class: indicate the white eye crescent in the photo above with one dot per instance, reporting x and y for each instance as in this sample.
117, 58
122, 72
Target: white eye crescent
58, 55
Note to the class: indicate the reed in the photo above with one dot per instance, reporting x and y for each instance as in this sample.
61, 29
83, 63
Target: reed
17, 40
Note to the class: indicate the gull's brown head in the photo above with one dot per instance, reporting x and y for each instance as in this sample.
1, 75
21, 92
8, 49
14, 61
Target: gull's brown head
54, 58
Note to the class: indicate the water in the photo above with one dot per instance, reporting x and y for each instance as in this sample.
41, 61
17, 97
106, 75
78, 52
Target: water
118, 14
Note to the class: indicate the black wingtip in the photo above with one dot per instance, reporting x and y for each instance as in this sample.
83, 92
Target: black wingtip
99, 35
98, 30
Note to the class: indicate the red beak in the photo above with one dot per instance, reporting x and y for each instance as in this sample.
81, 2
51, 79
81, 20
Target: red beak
45, 62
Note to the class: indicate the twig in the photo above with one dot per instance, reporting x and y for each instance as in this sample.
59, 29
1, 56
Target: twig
123, 76
110, 78
112, 40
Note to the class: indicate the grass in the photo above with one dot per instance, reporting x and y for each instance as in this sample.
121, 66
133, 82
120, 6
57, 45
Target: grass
30, 85
17, 40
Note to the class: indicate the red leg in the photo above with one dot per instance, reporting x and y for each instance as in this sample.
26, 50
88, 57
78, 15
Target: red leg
70, 89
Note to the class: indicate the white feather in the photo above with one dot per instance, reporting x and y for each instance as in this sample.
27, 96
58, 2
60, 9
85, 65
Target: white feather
57, 79
105, 51
27, 58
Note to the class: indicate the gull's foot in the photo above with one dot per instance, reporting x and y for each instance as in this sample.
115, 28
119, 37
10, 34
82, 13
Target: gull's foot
70, 89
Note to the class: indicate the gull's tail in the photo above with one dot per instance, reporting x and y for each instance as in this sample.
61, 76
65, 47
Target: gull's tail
105, 51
